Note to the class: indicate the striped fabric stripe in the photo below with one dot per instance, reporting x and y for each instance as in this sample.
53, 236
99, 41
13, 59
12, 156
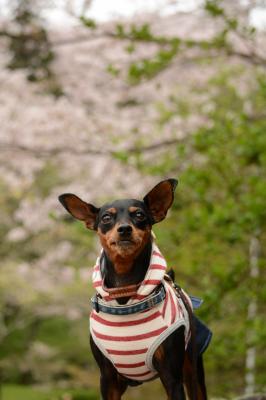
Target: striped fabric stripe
158, 254
152, 282
97, 284
132, 338
121, 365
140, 321
157, 266
137, 375
127, 352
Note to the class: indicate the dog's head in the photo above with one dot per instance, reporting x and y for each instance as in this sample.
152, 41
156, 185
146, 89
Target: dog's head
124, 226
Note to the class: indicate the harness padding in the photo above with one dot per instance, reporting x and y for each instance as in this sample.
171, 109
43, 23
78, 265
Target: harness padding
129, 341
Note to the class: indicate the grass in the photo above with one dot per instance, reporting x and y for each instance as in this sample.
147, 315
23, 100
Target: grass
18, 392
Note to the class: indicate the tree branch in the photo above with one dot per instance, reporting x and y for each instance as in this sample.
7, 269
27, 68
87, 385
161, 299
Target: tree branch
251, 57
41, 152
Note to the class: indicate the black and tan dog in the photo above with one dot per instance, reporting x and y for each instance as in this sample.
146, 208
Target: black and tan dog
125, 231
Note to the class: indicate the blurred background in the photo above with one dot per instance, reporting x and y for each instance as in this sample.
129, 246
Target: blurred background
104, 99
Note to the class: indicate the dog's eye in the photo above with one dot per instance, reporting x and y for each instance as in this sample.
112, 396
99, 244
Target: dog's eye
140, 216
106, 218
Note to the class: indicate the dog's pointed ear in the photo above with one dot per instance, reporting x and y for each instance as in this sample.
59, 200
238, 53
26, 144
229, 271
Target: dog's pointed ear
80, 209
160, 199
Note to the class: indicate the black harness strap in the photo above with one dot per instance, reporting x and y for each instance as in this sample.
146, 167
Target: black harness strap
180, 294
193, 340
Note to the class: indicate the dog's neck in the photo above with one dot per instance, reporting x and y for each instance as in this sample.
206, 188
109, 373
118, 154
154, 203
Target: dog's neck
134, 276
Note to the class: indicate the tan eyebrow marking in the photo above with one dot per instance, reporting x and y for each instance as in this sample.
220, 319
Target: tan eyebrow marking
112, 210
133, 209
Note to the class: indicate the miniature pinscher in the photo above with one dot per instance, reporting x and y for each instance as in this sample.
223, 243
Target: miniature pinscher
124, 228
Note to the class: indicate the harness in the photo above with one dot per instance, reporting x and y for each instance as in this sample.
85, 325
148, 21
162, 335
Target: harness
128, 335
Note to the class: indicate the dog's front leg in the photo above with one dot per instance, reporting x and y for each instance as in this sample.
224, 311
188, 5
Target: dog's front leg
111, 383
168, 360
188, 378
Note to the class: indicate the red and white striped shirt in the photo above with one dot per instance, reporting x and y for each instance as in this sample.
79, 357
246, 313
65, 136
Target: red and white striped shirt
129, 341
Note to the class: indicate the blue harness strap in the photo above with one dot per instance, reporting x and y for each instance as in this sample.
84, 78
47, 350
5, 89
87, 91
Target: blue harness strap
155, 298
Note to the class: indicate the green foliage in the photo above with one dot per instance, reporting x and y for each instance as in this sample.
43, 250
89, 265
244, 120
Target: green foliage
148, 68
130, 48
88, 22
114, 71
14, 392
168, 48
137, 33
31, 48
121, 156
141, 33
34, 346
214, 8
45, 180
9, 202
220, 205
176, 106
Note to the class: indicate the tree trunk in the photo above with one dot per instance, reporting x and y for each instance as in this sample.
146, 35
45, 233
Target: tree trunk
254, 252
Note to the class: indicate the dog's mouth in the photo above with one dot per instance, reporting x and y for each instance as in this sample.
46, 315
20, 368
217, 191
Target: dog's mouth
123, 243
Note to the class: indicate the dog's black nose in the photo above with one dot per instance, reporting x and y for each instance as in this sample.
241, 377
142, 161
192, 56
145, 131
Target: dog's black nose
124, 229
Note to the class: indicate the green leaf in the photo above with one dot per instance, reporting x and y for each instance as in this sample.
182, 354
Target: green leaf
88, 22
